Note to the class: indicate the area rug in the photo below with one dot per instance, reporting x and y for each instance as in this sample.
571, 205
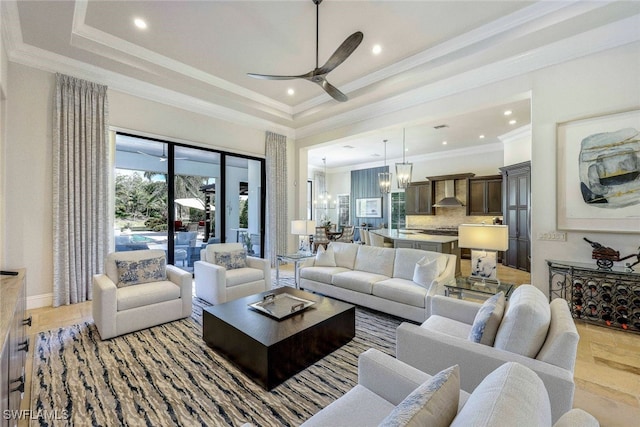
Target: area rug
167, 376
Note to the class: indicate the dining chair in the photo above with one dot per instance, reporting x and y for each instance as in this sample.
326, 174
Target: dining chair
320, 238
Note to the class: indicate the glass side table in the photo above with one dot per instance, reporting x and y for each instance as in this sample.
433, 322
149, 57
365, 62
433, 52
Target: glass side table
295, 259
477, 286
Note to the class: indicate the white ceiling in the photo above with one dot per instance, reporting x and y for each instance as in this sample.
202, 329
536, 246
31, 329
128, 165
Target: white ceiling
197, 53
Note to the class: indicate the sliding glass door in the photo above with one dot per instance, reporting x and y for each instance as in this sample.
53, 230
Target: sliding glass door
180, 198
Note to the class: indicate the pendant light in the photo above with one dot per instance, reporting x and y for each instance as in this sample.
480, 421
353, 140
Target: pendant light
403, 170
384, 178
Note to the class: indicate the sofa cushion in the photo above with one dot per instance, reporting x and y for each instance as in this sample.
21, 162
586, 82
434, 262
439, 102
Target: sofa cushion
405, 262
561, 345
400, 290
321, 274
241, 276
146, 294
359, 281
345, 254
434, 403
376, 260
444, 325
425, 271
497, 401
525, 323
141, 271
487, 320
359, 407
325, 257
231, 260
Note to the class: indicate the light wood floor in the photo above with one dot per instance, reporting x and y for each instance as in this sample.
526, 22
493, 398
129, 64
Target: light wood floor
607, 372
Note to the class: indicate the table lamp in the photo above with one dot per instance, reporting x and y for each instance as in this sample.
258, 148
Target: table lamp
484, 242
303, 229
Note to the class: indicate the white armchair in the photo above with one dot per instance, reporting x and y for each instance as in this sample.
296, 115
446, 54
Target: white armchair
121, 306
218, 284
532, 332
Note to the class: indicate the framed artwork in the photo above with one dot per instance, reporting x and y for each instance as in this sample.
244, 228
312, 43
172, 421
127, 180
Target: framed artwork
598, 173
369, 208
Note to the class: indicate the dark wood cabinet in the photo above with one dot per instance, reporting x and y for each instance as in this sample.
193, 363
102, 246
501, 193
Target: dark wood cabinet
419, 198
484, 195
516, 187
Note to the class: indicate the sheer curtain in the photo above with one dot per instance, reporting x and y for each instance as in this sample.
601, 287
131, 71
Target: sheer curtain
80, 187
276, 221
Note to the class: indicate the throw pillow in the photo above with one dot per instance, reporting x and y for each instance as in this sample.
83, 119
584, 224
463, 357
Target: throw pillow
434, 403
425, 271
141, 271
487, 320
325, 257
231, 260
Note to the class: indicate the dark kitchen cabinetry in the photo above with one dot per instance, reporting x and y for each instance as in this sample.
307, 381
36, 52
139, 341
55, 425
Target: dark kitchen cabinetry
484, 195
516, 190
419, 198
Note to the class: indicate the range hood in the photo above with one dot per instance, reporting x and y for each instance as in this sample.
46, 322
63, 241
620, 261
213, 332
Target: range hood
450, 200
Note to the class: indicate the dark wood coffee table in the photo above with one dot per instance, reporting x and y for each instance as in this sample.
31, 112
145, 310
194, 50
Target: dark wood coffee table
269, 350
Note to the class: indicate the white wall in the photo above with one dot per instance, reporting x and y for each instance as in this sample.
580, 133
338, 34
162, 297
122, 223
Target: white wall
26, 178
517, 146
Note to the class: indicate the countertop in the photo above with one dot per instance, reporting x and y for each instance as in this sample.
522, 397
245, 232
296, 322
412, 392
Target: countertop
413, 235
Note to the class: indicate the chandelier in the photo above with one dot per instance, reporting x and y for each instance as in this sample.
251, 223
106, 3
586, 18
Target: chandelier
384, 178
403, 170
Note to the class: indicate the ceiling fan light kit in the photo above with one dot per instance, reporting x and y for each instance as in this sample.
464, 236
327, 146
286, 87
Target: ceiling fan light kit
318, 74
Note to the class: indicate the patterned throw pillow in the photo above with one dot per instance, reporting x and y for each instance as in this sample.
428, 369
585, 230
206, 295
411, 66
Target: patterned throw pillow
487, 320
141, 271
232, 260
434, 403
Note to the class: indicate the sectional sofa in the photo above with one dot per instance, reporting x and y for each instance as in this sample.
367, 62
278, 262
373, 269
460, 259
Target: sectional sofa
399, 281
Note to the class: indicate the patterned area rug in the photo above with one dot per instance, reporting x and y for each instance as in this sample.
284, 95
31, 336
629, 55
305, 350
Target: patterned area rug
166, 376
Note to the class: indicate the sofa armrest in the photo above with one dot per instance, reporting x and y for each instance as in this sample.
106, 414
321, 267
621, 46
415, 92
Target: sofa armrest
104, 305
388, 377
185, 282
432, 351
455, 309
211, 282
261, 264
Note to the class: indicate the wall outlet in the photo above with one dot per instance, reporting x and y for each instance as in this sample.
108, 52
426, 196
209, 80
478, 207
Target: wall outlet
554, 236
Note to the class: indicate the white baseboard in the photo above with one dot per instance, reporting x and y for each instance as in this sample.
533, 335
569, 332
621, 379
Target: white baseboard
38, 301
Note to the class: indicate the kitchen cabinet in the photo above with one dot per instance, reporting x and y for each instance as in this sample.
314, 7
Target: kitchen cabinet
484, 195
419, 198
516, 187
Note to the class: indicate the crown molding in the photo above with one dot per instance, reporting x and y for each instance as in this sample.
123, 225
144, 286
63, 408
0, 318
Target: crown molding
597, 40
91, 39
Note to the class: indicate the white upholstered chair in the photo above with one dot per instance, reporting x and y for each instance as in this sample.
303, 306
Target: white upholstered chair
138, 291
220, 278
377, 240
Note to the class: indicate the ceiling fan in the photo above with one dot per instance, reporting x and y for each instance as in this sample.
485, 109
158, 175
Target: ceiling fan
318, 74
162, 158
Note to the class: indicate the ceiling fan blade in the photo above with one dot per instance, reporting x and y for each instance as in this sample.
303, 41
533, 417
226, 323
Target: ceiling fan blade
332, 90
342, 52
271, 77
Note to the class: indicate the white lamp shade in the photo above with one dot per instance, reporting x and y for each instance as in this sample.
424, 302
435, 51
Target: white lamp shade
481, 236
303, 227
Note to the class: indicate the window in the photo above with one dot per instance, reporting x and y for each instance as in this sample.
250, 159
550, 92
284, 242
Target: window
344, 215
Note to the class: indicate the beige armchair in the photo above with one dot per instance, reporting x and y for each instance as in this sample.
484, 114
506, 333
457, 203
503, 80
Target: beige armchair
532, 332
218, 283
127, 297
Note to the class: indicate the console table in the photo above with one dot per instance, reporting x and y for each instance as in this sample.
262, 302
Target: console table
608, 298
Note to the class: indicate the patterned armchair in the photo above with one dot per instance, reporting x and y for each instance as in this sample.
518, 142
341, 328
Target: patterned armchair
347, 234
320, 238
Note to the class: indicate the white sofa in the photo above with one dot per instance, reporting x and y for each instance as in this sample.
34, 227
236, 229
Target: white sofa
120, 310
528, 330
512, 395
380, 278
217, 285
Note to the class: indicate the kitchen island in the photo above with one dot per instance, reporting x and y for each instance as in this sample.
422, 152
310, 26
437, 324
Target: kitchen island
416, 239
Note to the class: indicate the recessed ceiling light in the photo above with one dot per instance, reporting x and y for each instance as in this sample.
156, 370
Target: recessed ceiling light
481, 136
291, 91
140, 23
376, 49
512, 122
444, 142
508, 113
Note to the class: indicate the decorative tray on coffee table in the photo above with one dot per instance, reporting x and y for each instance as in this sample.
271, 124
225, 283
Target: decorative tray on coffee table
281, 305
